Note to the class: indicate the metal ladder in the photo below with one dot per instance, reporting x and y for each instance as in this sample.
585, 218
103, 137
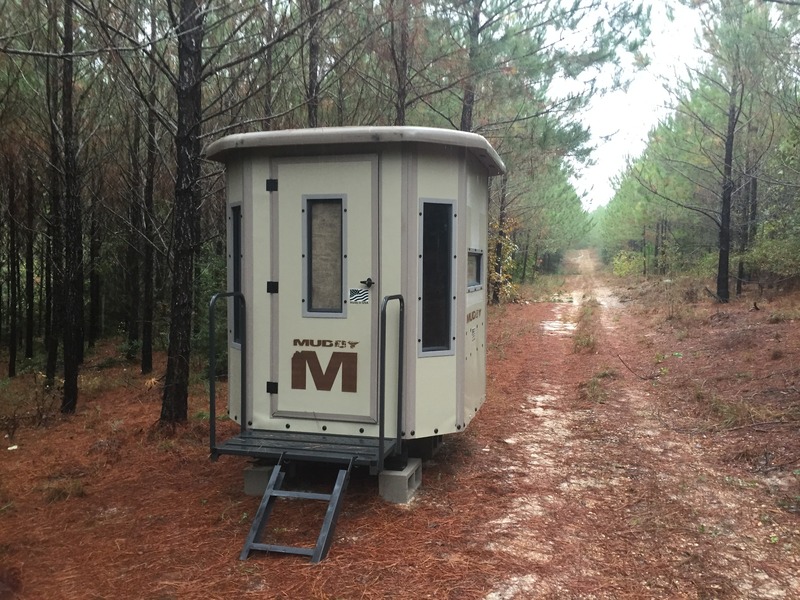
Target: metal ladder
274, 491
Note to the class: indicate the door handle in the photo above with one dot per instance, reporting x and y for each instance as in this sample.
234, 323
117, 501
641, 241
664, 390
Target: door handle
368, 282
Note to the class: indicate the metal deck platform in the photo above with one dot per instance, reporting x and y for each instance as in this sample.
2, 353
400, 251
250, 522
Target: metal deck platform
338, 449
287, 446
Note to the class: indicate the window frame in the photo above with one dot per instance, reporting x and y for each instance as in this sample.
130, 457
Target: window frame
450, 347
307, 208
477, 284
236, 216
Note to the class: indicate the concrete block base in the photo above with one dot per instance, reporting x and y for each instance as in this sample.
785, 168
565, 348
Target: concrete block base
256, 478
399, 486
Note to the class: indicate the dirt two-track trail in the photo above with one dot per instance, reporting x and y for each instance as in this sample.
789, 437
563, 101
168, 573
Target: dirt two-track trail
625, 495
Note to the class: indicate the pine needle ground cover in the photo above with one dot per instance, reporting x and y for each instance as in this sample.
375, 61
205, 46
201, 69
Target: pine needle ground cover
660, 461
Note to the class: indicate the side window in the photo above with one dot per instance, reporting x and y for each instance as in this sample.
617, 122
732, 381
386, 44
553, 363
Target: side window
236, 268
474, 269
323, 248
437, 276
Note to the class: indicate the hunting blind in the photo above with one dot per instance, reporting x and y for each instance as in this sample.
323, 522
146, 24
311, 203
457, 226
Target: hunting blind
356, 309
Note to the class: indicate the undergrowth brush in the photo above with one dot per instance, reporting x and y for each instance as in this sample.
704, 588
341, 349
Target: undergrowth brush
586, 327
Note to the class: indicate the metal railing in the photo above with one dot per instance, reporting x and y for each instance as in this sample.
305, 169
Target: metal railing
382, 391
212, 365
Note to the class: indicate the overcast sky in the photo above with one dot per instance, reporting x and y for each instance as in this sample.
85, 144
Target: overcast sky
628, 116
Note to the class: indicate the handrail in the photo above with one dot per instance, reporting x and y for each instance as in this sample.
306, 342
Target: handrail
382, 397
212, 365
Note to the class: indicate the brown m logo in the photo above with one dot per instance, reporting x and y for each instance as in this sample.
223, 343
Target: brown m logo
347, 362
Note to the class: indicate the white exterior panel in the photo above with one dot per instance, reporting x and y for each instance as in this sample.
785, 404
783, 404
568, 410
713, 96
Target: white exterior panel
315, 370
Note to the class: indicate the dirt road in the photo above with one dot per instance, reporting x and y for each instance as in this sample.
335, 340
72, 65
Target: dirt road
622, 494
638, 449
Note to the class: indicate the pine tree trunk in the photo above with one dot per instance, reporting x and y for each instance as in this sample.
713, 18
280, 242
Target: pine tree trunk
29, 262
13, 269
94, 278
399, 28
468, 103
312, 91
54, 264
497, 284
723, 266
72, 227
148, 301
174, 406
133, 247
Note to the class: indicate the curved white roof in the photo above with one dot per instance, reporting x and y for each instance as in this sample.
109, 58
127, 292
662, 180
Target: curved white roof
221, 149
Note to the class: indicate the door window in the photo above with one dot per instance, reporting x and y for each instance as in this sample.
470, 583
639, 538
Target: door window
324, 257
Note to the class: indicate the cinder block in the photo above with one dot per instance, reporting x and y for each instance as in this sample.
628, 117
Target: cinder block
399, 486
256, 478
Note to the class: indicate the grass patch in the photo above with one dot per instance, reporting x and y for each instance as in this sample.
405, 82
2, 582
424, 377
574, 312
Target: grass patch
736, 412
6, 503
782, 316
586, 328
500, 336
64, 490
595, 390
64, 485
547, 288
25, 401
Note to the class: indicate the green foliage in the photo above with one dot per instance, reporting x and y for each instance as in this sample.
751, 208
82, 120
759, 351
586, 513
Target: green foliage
627, 264
210, 278
777, 248
501, 267
668, 204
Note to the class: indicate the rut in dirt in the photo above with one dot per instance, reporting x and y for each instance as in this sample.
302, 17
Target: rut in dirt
612, 501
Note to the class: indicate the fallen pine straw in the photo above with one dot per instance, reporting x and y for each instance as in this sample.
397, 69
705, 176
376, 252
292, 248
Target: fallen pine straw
544, 495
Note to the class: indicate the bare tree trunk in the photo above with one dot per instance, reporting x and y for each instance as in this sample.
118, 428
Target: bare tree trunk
723, 266
499, 242
148, 304
29, 261
468, 103
399, 28
644, 251
94, 277
269, 94
13, 267
657, 249
72, 227
174, 406
749, 214
133, 247
312, 91
525, 256
55, 247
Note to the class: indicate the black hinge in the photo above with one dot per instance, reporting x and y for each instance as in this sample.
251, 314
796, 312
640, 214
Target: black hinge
272, 287
272, 387
272, 185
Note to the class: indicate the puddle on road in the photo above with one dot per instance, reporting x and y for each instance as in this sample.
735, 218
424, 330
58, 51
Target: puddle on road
558, 327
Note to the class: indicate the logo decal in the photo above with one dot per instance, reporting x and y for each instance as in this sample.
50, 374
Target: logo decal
306, 361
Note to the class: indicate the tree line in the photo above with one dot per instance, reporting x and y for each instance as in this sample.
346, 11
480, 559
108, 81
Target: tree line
115, 222
715, 191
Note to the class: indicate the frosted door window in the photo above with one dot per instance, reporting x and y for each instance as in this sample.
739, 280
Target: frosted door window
324, 235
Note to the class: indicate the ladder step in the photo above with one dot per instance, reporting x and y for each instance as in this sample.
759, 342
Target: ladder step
273, 491
302, 495
282, 549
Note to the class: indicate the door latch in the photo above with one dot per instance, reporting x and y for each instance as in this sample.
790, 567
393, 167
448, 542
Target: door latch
368, 282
